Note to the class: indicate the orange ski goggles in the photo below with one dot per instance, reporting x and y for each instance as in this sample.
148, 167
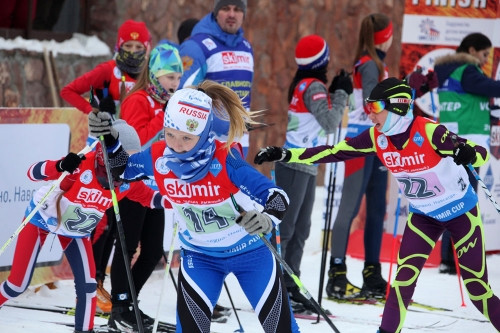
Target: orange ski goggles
376, 106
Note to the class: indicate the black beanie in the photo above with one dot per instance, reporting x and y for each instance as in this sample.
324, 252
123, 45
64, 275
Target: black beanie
221, 3
396, 93
185, 29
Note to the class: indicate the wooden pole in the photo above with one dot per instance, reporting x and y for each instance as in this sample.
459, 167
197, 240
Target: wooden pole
50, 75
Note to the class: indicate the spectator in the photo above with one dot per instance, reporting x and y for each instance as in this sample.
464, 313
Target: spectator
119, 73
218, 51
448, 201
217, 237
463, 85
116, 77
143, 110
363, 176
313, 111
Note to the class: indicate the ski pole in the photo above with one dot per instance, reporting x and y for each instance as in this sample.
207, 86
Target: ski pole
165, 278
479, 180
299, 283
433, 104
290, 272
173, 280
54, 185
276, 228
332, 180
483, 185
394, 243
234, 308
121, 235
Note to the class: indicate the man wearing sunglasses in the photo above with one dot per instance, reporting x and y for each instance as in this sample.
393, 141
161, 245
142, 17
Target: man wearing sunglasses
416, 151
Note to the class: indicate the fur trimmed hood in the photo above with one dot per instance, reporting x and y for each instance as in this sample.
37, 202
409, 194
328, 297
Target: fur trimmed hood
457, 58
445, 65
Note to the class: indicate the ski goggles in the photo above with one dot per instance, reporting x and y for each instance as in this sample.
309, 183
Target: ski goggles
376, 106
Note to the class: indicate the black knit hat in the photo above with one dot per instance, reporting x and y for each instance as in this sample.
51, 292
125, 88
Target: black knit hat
395, 93
218, 4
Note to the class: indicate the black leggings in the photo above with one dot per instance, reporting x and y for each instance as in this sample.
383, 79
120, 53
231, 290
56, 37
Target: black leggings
141, 225
103, 246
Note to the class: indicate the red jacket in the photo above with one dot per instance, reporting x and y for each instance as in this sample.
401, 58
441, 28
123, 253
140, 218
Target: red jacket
106, 71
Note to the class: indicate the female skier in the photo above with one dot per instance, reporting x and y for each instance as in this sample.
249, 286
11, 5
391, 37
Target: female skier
416, 151
199, 175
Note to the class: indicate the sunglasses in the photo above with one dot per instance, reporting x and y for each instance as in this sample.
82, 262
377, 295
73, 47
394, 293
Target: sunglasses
377, 106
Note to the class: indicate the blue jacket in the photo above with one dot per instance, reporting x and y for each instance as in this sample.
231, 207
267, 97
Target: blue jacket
212, 54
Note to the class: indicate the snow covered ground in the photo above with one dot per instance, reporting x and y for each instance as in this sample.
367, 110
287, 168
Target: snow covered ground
433, 288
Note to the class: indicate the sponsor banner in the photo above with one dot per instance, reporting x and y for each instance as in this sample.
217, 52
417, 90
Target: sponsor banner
439, 30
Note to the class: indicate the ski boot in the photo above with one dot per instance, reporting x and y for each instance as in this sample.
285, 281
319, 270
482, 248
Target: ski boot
123, 317
374, 285
223, 309
218, 316
338, 286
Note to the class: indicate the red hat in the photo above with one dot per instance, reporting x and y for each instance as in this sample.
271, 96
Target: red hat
133, 30
312, 52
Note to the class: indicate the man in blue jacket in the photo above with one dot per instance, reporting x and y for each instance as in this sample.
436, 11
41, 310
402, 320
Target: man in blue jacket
218, 51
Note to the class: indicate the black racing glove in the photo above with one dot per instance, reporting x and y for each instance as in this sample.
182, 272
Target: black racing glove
70, 163
464, 154
341, 81
271, 154
106, 102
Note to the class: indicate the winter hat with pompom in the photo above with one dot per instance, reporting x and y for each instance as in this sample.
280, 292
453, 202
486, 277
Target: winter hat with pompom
312, 52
